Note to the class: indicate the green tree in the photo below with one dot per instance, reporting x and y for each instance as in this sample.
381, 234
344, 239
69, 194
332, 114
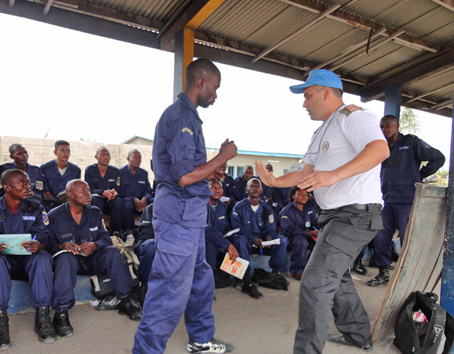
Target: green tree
409, 123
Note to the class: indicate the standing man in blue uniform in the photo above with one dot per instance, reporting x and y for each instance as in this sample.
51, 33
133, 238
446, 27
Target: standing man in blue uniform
399, 173
239, 183
218, 226
256, 222
20, 156
299, 223
77, 228
343, 169
135, 188
181, 280
58, 172
104, 181
21, 216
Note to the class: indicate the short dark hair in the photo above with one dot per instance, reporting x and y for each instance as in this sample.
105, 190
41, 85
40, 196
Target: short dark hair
100, 149
391, 117
60, 142
13, 147
8, 174
292, 192
336, 92
198, 69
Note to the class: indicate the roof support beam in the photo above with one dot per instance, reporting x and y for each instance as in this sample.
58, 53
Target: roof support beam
11, 3
449, 4
441, 105
184, 54
356, 21
429, 93
47, 6
297, 32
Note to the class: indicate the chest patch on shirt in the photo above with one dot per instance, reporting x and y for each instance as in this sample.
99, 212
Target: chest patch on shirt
45, 218
39, 185
28, 218
271, 218
221, 217
93, 228
142, 182
307, 224
325, 146
184, 130
404, 148
111, 180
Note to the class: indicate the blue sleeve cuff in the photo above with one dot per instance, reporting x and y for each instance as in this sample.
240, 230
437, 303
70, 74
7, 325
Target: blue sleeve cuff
182, 168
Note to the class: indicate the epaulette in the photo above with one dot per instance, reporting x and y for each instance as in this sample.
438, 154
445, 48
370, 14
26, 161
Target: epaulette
347, 110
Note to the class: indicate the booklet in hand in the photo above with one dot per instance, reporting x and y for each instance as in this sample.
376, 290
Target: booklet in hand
237, 268
14, 243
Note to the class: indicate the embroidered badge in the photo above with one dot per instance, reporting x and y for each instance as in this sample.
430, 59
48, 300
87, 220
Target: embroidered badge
118, 180
325, 146
427, 146
187, 130
308, 224
353, 108
285, 217
39, 185
271, 218
45, 218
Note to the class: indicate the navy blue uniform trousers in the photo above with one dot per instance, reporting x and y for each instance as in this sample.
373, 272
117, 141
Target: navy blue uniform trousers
105, 261
181, 281
37, 268
114, 208
145, 253
326, 284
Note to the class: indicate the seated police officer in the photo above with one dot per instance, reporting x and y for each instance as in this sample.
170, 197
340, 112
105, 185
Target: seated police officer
77, 228
218, 226
104, 183
226, 180
20, 156
58, 172
21, 216
255, 220
239, 183
299, 223
135, 189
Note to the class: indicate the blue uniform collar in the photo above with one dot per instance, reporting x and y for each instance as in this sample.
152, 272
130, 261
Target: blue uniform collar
82, 219
182, 96
4, 207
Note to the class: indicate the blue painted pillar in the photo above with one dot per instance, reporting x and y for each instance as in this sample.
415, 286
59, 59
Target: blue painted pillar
393, 98
447, 279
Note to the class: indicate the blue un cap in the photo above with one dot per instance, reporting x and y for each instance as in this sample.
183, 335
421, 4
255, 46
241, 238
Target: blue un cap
320, 77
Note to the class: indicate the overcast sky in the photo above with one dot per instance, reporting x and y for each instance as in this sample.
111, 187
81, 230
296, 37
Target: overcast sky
71, 85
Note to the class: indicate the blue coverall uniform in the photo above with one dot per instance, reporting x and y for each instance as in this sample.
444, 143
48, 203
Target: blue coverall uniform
145, 246
54, 182
98, 184
294, 225
34, 174
31, 218
399, 173
133, 185
218, 226
259, 224
181, 280
106, 259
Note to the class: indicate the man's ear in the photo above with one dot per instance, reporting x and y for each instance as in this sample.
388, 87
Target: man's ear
200, 83
55, 152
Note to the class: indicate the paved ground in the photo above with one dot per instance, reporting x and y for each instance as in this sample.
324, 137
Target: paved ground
265, 326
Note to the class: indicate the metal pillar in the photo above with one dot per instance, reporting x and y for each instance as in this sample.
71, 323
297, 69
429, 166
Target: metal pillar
184, 54
393, 98
447, 279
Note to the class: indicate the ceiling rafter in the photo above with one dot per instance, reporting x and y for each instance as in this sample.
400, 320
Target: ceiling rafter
449, 4
359, 22
441, 105
429, 93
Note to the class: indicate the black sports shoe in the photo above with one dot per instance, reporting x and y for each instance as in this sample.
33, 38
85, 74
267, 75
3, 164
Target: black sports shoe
43, 327
340, 339
5, 341
131, 307
108, 303
61, 324
359, 268
252, 291
381, 278
213, 346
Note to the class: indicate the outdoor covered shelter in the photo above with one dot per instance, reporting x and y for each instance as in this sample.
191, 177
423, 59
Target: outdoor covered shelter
398, 51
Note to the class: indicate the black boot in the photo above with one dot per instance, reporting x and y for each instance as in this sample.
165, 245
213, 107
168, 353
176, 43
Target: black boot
5, 341
359, 268
381, 278
61, 324
43, 327
130, 306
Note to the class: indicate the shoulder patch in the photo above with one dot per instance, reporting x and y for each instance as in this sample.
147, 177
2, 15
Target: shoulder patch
235, 213
39, 185
103, 224
45, 218
1, 186
347, 110
271, 218
427, 146
187, 130
285, 217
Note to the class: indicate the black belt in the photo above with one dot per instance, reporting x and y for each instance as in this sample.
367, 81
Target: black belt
368, 207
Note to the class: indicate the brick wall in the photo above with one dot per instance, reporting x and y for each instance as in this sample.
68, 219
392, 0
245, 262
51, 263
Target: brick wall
82, 152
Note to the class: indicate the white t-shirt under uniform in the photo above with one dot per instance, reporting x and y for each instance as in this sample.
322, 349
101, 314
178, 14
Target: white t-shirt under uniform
338, 141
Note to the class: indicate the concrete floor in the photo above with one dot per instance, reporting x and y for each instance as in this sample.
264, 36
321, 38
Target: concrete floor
265, 326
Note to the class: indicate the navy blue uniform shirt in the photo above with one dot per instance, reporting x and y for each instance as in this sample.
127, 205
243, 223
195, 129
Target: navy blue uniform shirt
98, 184
218, 225
239, 189
63, 227
295, 222
401, 170
31, 218
227, 186
35, 175
179, 147
252, 224
146, 230
134, 185
54, 182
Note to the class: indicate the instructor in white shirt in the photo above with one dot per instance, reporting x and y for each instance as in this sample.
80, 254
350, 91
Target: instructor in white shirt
343, 169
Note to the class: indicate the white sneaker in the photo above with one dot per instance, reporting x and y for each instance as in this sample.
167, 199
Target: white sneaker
129, 241
213, 346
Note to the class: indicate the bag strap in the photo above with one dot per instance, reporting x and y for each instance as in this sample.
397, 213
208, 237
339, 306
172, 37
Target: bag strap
437, 325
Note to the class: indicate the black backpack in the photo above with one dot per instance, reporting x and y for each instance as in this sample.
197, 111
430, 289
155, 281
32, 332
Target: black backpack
270, 280
426, 337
